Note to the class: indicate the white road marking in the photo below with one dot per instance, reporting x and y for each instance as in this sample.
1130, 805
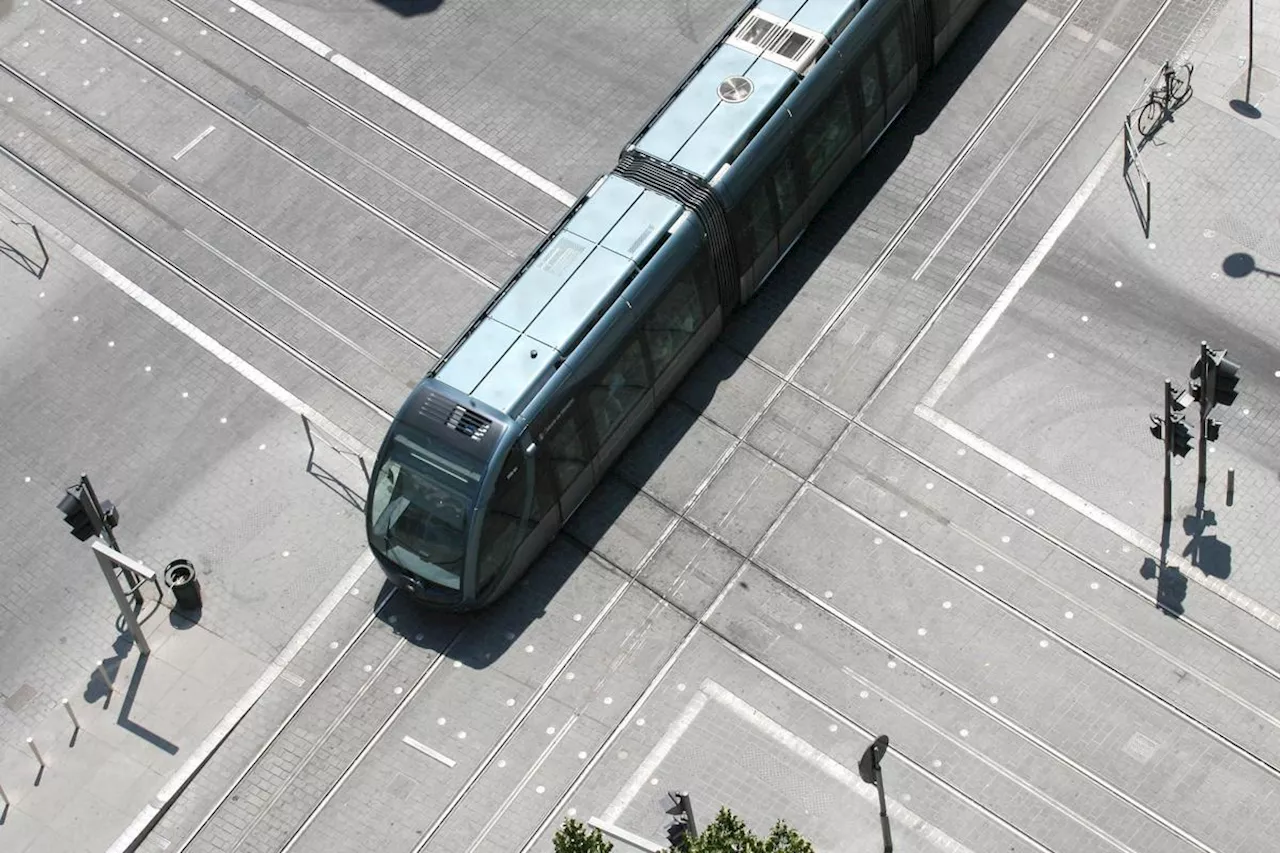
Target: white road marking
295, 680
655, 757
1023, 275
617, 833
1096, 515
128, 840
801, 748
414, 106
193, 143
186, 327
429, 752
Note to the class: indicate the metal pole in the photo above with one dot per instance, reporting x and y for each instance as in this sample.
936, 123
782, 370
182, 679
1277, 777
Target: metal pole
1231, 486
108, 570
5, 797
1168, 450
66, 706
1248, 77
884, 812
97, 509
1206, 401
31, 743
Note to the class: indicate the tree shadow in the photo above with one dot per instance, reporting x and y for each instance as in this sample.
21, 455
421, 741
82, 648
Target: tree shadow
410, 8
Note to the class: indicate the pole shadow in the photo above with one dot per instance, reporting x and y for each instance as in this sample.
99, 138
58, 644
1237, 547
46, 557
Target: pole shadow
330, 480
126, 705
33, 265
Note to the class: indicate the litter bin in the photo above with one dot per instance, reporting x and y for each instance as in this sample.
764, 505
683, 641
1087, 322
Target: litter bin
180, 576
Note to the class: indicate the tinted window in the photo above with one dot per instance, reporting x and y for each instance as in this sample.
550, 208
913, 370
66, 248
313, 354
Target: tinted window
503, 530
872, 94
564, 451
755, 223
672, 323
827, 134
619, 387
785, 188
894, 51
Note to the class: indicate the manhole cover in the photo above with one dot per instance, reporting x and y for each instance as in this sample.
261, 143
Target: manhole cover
20, 698
1141, 747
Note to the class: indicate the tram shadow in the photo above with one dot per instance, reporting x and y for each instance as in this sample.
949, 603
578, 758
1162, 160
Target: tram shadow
477, 640
598, 532
838, 218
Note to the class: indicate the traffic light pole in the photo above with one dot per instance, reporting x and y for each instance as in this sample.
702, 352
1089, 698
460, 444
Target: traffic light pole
1207, 399
107, 533
1168, 450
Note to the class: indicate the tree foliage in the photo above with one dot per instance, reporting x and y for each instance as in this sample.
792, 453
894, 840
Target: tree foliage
728, 834
574, 837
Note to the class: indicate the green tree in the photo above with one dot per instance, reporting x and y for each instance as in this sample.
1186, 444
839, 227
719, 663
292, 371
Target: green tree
573, 837
728, 834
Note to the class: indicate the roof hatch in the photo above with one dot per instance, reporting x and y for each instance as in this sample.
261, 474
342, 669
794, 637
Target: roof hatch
778, 40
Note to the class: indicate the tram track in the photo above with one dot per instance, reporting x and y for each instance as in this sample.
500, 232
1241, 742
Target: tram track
195, 195
355, 115
700, 623
449, 258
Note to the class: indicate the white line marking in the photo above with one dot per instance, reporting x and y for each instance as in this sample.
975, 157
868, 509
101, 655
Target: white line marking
128, 840
295, 680
414, 106
798, 746
186, 327
617, 833
1023, 275
271, 19
655, 757
193, 143
1096, 514
429, 752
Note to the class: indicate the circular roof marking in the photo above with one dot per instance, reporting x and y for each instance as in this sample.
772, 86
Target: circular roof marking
735, 90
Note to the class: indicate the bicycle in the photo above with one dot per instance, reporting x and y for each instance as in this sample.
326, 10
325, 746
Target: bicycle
1173, 91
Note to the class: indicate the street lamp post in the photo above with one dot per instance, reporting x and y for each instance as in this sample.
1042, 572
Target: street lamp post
869, 770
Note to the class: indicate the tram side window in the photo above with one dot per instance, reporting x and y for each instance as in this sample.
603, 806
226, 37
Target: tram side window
755, 226
872, 93
671, 324
894, 50
785, 187
828, 133
618, 388
502, 530
565, 448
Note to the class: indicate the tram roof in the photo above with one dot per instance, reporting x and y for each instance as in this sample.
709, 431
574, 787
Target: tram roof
700, 130
576, 275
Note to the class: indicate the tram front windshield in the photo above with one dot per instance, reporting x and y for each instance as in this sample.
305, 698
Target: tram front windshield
423, 497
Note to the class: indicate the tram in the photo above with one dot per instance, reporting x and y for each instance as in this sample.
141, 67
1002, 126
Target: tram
506, 436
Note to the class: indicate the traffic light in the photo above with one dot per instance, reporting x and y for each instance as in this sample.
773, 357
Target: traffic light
1181, 444
1211, 430
681, 830
1181, 436
1214, 370
1225, 379
79, 513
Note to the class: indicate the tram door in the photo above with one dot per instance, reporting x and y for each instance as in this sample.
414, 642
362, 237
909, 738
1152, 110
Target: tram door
869, 84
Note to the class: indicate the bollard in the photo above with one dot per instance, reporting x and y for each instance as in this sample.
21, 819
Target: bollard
5, 797
70, 713
1231, 486
32, 743
106, 681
